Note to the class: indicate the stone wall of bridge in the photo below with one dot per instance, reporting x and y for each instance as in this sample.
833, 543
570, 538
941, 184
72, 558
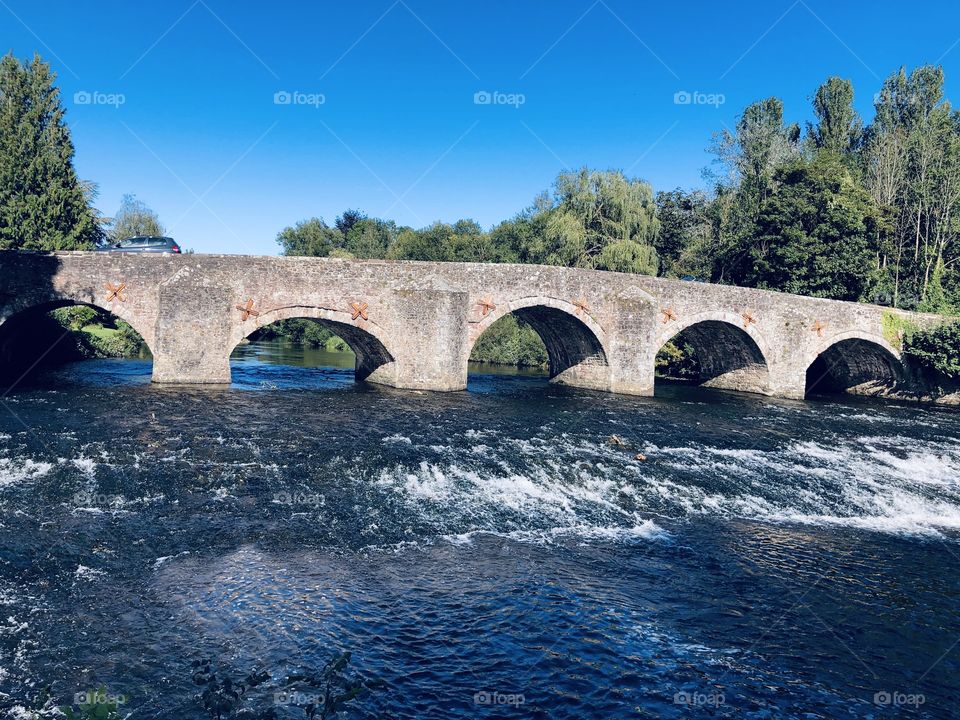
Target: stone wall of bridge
413, 324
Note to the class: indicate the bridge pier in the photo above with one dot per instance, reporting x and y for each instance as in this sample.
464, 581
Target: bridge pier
192, 344
430, 339
632, 349
787, 383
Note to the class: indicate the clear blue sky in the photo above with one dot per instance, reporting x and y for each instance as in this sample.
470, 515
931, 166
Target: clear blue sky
200, 138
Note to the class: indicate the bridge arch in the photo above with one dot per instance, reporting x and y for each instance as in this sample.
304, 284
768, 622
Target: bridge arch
29, 339
856, 362
731, 354
29, 306
576, 343
366, 339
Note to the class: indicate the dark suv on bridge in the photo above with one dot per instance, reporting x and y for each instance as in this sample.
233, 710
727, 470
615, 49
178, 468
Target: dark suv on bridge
143, 244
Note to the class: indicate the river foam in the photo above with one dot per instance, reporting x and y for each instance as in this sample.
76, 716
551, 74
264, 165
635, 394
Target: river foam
880, 483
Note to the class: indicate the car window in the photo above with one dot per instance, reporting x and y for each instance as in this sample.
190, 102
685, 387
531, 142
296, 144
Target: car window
157, 242
130, 242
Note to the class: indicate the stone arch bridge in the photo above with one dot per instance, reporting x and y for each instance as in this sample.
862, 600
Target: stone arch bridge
413, 324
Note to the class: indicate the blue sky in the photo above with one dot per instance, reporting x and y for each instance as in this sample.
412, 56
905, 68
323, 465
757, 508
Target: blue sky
178, 102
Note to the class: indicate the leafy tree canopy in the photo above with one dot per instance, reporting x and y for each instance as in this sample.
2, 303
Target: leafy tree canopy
814, 233
134, 219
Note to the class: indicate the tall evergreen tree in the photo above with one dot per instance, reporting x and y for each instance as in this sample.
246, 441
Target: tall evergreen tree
42, 203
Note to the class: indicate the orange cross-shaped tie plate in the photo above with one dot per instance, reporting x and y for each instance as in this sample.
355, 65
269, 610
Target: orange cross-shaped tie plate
581, 305
486, 306
116, 292
358, 310
668, 314
747, 318
818, 328
247, 310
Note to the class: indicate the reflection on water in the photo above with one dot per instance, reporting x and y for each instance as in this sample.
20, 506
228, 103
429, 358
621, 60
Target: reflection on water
282, 352
769, 558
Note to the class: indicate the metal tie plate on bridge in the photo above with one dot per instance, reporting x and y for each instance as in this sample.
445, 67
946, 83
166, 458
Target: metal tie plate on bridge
581, 305
358, 310
668, 314
116, 292
486, 306
748, 318
246, 311
818, 328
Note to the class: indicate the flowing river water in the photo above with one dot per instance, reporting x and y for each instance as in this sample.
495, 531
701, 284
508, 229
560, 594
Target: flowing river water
486, 553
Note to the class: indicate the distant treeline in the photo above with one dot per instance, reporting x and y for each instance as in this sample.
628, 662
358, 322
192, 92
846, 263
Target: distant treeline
840, 210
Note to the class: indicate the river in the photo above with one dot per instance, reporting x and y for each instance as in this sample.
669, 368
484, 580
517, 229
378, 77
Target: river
486, 553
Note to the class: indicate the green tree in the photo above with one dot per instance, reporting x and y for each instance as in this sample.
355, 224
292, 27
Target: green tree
838, 128
133, 219
749, 159
311, 237
370, 238
912, 161
683, 241
467, 242
522, 238
814, 232
43, 205
509, 341
601, 220
428, 244
936, 349
347, 219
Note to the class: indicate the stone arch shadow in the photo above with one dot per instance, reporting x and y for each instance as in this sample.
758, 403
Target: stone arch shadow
26, 340
576, 344
731, 356
854, 362
367, 340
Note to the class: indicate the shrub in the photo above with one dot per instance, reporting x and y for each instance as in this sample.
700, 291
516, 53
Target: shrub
76, 317
937, 349
510, 341
896, 328
677, 359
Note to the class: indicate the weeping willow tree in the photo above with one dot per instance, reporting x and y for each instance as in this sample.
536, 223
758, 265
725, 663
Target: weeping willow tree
602, 220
